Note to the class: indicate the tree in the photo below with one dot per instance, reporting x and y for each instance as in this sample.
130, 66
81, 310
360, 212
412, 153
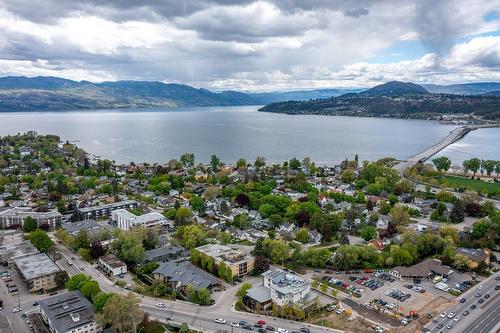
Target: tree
261, 265
241, 221
457, 214
29, 224
122, 313
100, 300
187, 160
473, 164
191, 294
260, 162
294, 164
41, 240
61, 278
324, 287
242, 290
242, 199
89, 289
183, 216
489, 166
241, 163
197, 204
368, 232
184, 328
302, 236
214, 163
76, 281
348, 176
128, 247
399, 216
442, 163
204, 296
81, 240
192, 235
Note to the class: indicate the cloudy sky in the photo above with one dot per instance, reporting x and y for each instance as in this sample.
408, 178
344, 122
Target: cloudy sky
253, 45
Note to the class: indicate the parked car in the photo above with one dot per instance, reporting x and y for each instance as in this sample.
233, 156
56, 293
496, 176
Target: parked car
160, 305
220, 321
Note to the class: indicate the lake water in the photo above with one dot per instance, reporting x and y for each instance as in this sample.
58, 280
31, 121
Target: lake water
157, 135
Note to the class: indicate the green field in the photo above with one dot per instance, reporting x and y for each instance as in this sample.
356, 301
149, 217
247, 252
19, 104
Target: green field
471, 184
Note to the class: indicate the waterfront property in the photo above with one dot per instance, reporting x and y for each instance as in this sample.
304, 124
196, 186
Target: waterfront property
125, 220
70, 312
111, 265
103, 211
180, 275
240, 263
37, 271
15, 217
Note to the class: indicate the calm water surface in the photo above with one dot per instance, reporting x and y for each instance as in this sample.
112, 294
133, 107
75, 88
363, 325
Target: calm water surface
157, 135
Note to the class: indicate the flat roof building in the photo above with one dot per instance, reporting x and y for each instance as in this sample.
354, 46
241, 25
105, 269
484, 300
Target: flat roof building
38, 271
102, 211
111, 265
15, 217
240, 263
288, 289
90, 226
182, 274
69, 313
125, 220
166, 253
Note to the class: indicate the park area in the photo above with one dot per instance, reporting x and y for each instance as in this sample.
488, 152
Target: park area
471, 184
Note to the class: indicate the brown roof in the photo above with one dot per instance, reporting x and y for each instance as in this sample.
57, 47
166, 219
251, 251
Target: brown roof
424, 269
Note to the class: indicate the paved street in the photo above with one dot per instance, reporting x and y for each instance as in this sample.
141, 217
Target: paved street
201, 317
487, 313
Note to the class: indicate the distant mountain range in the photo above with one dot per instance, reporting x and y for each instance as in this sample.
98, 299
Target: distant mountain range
394, 99
19, 93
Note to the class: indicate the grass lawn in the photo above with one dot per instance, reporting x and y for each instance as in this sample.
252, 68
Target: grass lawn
471, 184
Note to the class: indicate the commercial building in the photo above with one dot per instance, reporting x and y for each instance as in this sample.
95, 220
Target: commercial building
69, 313
91, 226
102, 211
38, 271
282, 288
423, 270
125, 220
181, 274
166, 253
15, 217
240, 263
111, 265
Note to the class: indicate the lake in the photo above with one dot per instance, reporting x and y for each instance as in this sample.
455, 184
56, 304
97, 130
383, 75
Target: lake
160, 134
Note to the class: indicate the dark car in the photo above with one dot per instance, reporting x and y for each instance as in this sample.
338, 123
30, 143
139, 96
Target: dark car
440, 326
487, 296
481, 301
497, 287
473, 306
269, 328
304, 330
462, 300
497, 278
465, 313
261, 330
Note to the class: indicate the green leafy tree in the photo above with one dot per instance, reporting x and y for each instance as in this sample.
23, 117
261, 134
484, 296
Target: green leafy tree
197, 203
191, 294
122, 313
368, 232
399, 216
100, 300
241, 163
214, 163
183, 216
204, 296
187, 160
302, 236
473, 165
242, 290
76, 281
128, 247
41, 240
442, 163
89, 289
348, 176
29, 224
184, 328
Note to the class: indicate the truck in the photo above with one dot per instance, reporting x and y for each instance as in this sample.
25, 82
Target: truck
442, 286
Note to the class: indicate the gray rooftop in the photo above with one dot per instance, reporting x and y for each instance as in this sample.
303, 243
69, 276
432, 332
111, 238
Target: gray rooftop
68, 311
261, 294
14, 251
114, 205
474, 254
74, 227
187, 274
286, 282
171, 250
36, 265
224, 253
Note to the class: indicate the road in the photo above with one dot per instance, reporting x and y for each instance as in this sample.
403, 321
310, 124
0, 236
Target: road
197, 317
488, 313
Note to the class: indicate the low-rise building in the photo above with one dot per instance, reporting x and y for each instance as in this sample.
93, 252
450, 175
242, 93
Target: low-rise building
125, 220
15, 217
423, 270
70, 312
38, 271
182, 274
475, 257
166, 253
111, 265
103, 211
91, 226
240, 263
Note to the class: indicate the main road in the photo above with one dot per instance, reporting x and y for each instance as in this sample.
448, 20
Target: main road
197, 317
481, 319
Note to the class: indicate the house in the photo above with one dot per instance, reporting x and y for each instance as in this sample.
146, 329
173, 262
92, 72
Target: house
179, 275
38, 271
103, 211
475, 257
70, 312
25, 151
111, 265
377, 244
258, 298
15, 217
240, 263
125, 220
166, 253
285, 288
314, 237
286, 227
423, 270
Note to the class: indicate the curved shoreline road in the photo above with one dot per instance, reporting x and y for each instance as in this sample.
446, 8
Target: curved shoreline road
452, 137
197, 317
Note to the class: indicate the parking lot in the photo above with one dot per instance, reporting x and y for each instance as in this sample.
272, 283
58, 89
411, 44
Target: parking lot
379, 291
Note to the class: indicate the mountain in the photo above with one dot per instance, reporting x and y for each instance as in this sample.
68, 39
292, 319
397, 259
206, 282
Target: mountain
300, 95
395, 88
19, 93
464, 88
393, 99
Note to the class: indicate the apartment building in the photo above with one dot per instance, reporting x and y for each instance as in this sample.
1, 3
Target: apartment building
15, 217
103, 211
38, 271
240, 262
125, 220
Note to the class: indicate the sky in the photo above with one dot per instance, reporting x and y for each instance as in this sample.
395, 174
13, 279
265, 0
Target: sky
252, 45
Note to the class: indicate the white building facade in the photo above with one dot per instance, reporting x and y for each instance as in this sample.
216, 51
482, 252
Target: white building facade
125, 220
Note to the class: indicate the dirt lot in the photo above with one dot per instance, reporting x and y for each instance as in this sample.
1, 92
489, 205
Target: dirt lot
357, 325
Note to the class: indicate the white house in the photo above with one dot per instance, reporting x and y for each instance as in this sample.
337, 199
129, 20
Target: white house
125, 220
111, 265
288, 289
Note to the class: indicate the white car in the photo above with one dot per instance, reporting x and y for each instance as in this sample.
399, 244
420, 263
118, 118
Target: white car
235, 324
339, 311
160, 305
282, 330
457, 318
451, 315
404, 322
220, 321
14, 310
480, 287
379, 329
443, 314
